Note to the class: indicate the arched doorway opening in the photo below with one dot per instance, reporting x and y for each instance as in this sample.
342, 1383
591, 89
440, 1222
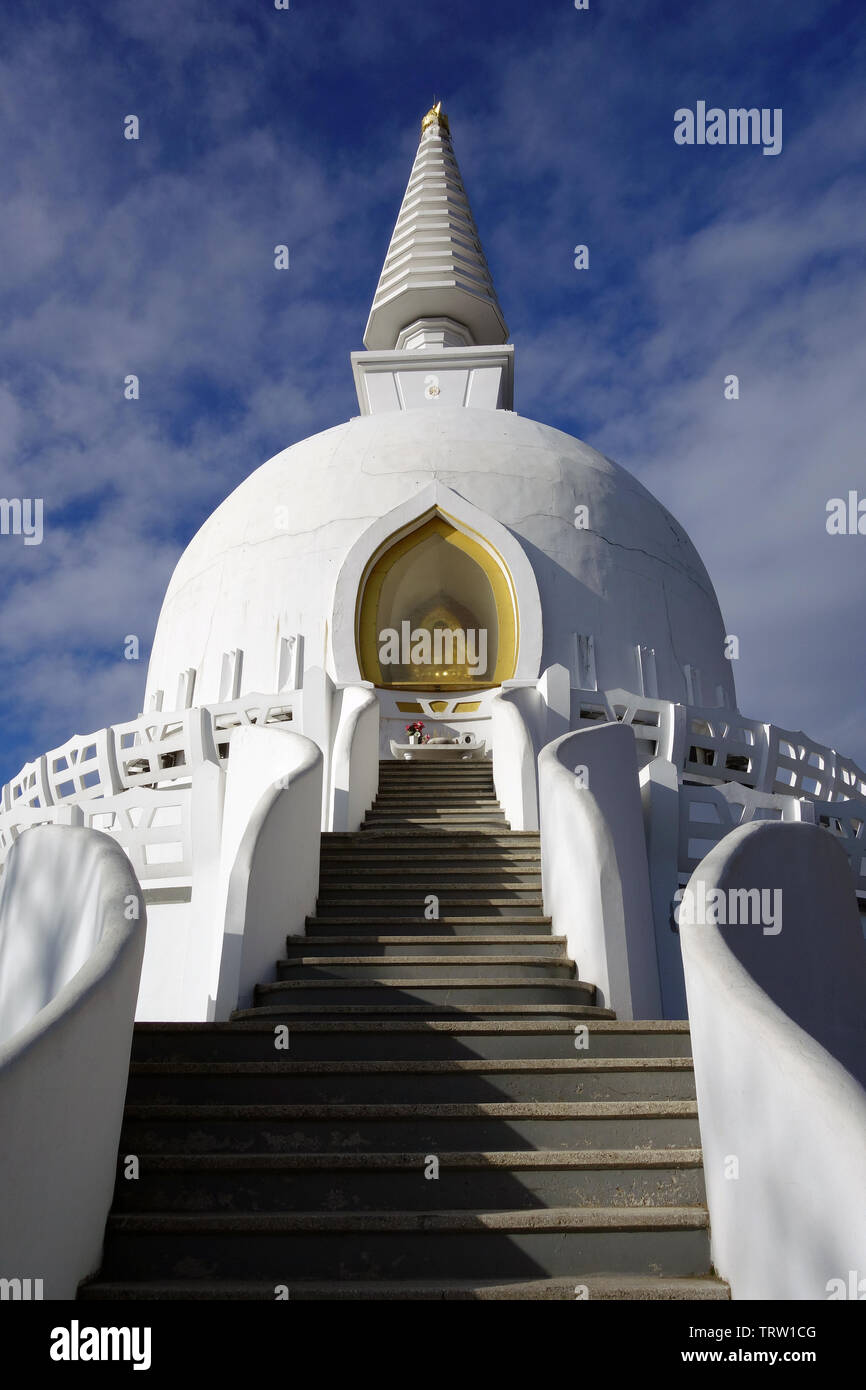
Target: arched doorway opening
436, 611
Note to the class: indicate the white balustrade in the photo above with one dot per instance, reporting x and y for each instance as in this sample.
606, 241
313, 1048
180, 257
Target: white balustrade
721, 745
656, 724
847, 820
707, 814
153, 827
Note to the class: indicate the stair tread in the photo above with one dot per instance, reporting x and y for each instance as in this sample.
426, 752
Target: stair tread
507, 1159
533, 1219
358, 958
603, 1025
569, 1010
494, 982
500, 939
289, 1067
446, 921
502, 1110
616, 1287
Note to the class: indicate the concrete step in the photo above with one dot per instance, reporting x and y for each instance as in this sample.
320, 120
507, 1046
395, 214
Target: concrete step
428, 967
412, 813
313, 1039
457, 1008
619, 1288
454, 773
434, 804
467, 1081
486, 840
431, 1244
443, 944
435, 990
433, 787
416, 1128
393, 1182
456, 858
454, 927
418, 871
335, 894
445, 819
403, 909
481, 891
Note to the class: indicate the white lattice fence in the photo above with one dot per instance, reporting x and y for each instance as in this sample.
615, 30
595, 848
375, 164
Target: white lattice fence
707, 814
850, 780
30, 789
158, 748
847, 819
656, 724
797, 766
83, 767
719, 745
154, 828
251, 709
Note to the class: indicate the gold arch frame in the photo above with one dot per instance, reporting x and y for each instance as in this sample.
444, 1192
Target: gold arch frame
473, 544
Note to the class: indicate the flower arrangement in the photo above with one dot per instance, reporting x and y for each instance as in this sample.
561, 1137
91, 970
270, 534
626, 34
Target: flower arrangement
416, 733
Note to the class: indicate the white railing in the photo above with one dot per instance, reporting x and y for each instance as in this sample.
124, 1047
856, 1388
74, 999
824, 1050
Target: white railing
656, 724
708, 814
847, 820
156, 752
720, 745
154, 828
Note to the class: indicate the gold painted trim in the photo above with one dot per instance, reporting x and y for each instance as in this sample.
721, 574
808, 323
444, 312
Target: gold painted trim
479, 549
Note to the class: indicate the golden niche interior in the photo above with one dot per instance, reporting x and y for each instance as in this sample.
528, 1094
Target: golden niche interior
436, 613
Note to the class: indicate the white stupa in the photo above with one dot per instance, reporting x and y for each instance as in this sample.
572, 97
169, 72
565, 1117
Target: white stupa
565, 558
593, 832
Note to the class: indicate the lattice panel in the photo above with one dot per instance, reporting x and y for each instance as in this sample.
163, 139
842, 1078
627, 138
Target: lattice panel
707, 814
721, 746
83, 767
153, 828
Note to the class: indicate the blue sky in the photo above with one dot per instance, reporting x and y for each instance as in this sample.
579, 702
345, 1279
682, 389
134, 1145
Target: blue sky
260, 127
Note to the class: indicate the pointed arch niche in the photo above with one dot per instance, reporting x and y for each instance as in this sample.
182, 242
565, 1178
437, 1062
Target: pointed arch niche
438, 566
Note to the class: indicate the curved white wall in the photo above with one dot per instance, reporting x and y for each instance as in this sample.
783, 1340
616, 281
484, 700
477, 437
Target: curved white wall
779, 1044
266, 564
72, 930
594, 866
269, 864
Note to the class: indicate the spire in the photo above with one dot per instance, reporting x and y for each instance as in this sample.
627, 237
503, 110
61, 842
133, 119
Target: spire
435, 289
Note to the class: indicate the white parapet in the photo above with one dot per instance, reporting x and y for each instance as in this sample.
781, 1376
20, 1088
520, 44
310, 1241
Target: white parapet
269, 860
72, 930
594, 865
776, 1012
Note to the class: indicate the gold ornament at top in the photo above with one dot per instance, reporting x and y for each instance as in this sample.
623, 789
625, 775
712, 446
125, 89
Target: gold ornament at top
436, 116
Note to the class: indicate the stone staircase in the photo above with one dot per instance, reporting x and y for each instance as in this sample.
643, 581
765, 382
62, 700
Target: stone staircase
436, 1128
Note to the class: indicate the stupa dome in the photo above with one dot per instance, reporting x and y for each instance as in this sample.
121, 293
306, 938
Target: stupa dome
268, 562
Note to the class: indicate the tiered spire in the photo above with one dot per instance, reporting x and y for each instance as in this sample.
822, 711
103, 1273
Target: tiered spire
435, 289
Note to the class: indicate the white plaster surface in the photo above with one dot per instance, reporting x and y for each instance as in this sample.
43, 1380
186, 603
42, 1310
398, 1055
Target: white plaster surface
355, 761
779, 1043
269, 867
594, 866
69, 970
266, 563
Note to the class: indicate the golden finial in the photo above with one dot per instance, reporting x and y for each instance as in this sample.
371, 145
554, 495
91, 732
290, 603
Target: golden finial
436, 116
